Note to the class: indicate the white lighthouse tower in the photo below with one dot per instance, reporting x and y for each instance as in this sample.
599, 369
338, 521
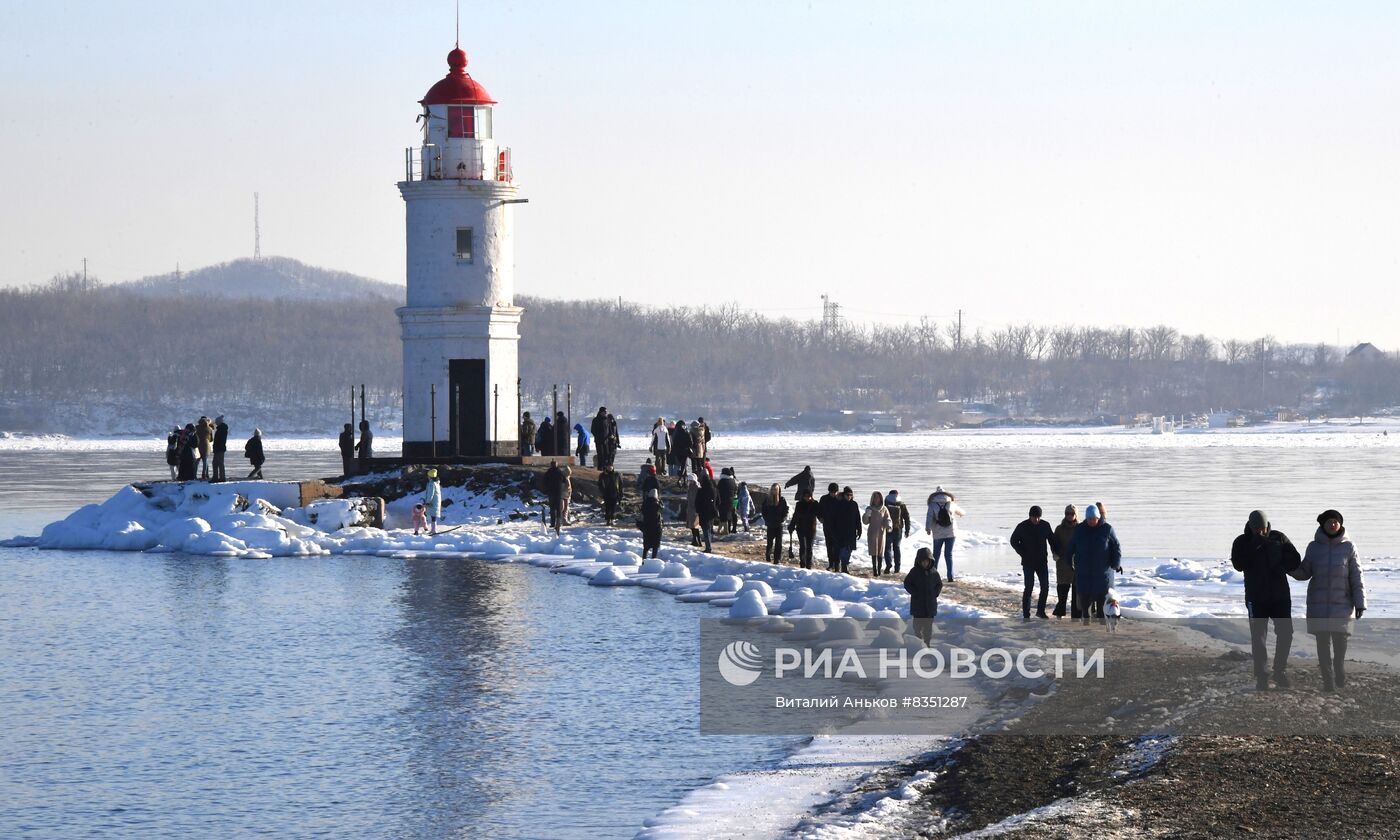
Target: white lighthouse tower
459, 323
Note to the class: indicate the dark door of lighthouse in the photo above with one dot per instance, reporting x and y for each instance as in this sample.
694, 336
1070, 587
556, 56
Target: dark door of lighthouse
467, 406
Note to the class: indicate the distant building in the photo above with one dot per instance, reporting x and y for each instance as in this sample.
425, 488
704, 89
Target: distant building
1365, 352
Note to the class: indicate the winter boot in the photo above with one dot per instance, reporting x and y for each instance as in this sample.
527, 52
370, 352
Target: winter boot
1261, 682
1281, 680
1327, 680
1338, 672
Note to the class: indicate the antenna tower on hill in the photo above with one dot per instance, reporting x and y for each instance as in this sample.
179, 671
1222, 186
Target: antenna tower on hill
257, 231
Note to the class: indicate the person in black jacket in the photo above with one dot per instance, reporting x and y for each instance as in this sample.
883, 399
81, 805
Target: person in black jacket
544, 437
705, 509
220, 447
651, 522
1034, 540
1266, 557
680, 447
189, 454
923, 585
610, 488
728, 489
253, 451
172, 452
365, 447
826, 514
804, 482
561, 434
598, 428
554, 491
775, 512
899, 519
804, 523
347, 450
848, 528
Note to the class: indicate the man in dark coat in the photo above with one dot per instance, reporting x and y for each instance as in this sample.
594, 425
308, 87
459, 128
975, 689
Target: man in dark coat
189, 454
599, 429
651, 522
803, 481
1096, 555
347, 450
365, 447
1034, 540
527, 435
900, 527
848, 527
826, 514
220, 447
728, 489
554, 491
614, 438
253, 451
1266, 557
706, 509
680, 445
561, 434
923, 585
610, 488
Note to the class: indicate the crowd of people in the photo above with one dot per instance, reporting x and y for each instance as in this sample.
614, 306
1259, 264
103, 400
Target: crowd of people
196, 451
551, 438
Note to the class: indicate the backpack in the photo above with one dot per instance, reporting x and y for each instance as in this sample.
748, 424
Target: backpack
943, 517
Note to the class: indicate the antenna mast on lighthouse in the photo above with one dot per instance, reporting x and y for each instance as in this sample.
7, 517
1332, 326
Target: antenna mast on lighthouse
257, 231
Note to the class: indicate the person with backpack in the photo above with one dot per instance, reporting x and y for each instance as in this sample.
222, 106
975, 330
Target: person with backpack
1064, 569
941, 525
172, 452
923, 585
775, 512
253, 451
220, 447
610, 488
899, 521
804, 524
347, 450
1033, 540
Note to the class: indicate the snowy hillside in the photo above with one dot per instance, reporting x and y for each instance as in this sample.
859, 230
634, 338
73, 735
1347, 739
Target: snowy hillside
270, 277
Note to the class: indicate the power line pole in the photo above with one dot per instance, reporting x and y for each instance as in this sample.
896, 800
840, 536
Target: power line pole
831, 317
84, 272
257, 230
958, 340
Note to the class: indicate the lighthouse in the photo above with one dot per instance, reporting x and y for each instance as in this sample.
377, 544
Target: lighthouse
460, 325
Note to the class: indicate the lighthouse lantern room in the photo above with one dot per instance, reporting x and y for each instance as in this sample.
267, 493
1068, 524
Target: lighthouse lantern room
460, 326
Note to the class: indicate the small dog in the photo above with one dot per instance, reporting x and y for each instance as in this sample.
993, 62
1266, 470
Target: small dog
1111, 611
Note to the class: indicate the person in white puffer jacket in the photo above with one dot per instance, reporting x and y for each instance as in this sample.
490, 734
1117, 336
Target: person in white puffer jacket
941, 524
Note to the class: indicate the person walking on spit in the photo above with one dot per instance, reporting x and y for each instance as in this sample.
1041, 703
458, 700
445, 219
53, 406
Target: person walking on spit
172, 452
848, 527
420, 517
651, 522
804, 524
582, 449
692, 512
878, 526
698, 446
1336, 591
923, 585
828, 507
775, 512
365, 447
347, 450
941, 524
204, 430
554, 491
648, 480
527, 435
660, 444
220, 447
680, 447
1096, 555
1064, 569
803, 481
610, 488
566, 498
1266, 557
745, 505
253, 451
189, 455
1033, 540
899, 521
432, 502
726, 488
707, 510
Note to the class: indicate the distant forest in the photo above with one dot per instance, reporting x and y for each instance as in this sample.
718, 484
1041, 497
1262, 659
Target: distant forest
73, 341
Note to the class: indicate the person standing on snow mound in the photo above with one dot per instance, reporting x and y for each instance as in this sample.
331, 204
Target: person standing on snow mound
1096, 555
1335, 589
941, 524
651, 522
432, 502
253, 451
923, 585
220, 447
1032, 540
347, 450
1266, 557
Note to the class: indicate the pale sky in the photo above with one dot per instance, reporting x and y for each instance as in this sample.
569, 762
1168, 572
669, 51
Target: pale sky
1228, 168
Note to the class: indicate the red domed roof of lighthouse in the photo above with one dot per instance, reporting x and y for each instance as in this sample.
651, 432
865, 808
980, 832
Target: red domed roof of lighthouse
457, 88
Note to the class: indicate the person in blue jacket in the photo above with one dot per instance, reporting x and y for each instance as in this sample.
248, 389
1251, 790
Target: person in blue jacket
1096, 555
583, 441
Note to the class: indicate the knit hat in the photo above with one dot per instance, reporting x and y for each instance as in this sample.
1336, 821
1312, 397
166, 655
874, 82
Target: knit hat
1329, 514
892, 497
1258, 519
1091, 512
432, 473
219, 419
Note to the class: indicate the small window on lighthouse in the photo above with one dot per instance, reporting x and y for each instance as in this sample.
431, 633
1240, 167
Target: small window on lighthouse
461, 121
464, 244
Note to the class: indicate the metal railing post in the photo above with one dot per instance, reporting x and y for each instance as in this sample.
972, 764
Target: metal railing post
432, 397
